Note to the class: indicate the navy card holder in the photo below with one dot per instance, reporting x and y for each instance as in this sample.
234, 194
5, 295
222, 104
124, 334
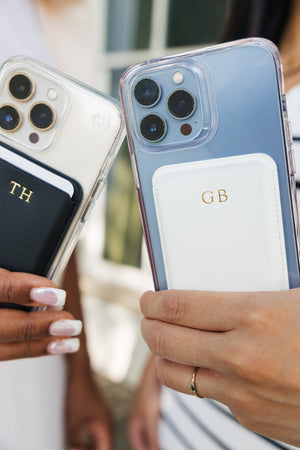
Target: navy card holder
34, 217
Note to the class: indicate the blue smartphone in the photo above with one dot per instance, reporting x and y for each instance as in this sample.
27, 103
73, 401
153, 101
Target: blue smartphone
213, 164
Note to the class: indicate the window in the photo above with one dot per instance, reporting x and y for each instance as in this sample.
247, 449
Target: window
130, 31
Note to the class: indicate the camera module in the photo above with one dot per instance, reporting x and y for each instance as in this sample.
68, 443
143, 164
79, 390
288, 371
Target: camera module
10, 119
181, 104
147, 92
153, 127
42, 116
20, 87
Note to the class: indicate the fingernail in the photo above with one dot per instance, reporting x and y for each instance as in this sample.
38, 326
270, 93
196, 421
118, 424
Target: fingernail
65, 328
54, 308
64, 346
48, 296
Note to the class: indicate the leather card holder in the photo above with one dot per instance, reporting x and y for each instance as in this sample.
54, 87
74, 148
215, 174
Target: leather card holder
220, 224
34, 217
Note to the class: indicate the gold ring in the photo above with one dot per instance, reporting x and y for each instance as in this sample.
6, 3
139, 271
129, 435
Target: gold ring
194, 383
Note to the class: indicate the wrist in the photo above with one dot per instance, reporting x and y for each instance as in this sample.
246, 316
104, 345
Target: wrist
79, 363
80, 374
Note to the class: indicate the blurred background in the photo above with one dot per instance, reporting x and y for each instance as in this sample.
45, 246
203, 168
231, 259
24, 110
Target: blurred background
95, 41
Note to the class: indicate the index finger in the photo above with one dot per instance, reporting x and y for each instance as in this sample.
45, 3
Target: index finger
15, 287
204, 310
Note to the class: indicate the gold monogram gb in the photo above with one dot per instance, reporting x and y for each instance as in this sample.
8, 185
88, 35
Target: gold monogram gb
209, 197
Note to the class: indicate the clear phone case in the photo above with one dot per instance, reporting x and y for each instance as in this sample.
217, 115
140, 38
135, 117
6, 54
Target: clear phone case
81, 144
239, 109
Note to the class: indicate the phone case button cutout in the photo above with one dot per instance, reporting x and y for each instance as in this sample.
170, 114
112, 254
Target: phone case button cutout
288, 129
292, 161
87, 211
284, 106
99, 186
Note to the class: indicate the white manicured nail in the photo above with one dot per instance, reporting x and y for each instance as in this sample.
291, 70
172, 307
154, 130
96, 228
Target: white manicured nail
48, 296
64, 346
65, 328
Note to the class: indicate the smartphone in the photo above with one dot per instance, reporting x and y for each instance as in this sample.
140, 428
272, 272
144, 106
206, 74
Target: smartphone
58, 140
213, 163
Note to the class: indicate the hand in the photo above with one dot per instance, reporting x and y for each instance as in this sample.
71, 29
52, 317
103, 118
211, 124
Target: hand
143, 420
88, 417
247, 348
30, 334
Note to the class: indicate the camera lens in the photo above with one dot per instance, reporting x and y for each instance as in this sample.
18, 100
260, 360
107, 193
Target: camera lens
181, 104
153, 127
10, 119
20, 87
42, 116
147, 92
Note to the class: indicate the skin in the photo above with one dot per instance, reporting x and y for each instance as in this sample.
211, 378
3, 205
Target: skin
290, 48
88, 420
143, 420
249, 404
24, 334
247, 348
88, 417
87, 414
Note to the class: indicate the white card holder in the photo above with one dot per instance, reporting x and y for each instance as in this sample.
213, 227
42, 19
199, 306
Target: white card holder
220, 224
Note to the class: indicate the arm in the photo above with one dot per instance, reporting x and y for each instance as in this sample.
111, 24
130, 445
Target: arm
79, 364
88, 417
143, 419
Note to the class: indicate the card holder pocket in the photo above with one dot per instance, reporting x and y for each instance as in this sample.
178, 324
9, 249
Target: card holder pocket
34, 217
220, 224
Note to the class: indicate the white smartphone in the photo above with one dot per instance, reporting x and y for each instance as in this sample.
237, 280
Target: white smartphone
58, 140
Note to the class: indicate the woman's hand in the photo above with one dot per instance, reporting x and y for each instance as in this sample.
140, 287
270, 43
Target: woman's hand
29, 334
143, 420
88, 416
247, 348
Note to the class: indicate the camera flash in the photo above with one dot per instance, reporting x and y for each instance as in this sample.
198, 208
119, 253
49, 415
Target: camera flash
177, 77
52, 94
34, 138
186, 129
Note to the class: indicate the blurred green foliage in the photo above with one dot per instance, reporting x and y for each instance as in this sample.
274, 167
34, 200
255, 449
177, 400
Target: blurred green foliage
193, 22
143, 25
123, 223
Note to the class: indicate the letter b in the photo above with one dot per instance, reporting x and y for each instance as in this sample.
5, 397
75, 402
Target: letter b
222, 195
